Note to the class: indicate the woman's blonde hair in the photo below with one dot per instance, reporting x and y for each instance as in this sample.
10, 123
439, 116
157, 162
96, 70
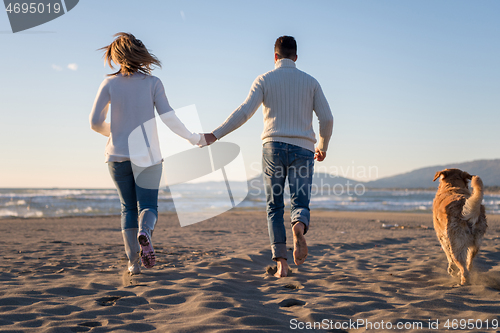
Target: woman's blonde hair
131, 54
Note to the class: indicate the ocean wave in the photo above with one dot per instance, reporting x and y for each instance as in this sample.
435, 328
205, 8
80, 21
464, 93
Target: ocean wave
15, 203
334, 198
29, 193
74, 211
407, 193
92, 197
407, 203
169, 196
6, 213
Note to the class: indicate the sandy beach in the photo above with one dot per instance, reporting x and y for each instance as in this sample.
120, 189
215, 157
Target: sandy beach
69, 275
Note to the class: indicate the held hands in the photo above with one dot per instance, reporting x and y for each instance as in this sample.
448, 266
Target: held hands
206, 139
319, 155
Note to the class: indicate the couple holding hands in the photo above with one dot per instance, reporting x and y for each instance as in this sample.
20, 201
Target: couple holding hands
289, 98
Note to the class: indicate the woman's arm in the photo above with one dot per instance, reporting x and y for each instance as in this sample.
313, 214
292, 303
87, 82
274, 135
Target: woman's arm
99, 112
169, 118
175, 124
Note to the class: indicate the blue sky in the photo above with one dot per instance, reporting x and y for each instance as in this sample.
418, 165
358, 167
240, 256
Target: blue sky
410, 83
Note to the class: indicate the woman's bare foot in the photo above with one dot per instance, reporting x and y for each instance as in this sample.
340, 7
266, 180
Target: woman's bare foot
299, 244
282, 268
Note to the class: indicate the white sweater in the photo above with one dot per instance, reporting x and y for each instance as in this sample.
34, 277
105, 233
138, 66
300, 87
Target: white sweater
133, 99
289, 97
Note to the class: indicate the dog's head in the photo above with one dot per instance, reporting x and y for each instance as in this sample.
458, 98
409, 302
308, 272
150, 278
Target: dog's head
454, 177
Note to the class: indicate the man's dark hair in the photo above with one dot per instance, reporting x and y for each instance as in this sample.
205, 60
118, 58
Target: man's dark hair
285, 47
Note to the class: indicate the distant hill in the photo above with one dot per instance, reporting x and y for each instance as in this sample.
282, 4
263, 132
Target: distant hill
488, 170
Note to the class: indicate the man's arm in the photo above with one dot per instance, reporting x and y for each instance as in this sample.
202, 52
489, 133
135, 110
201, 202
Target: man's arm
244, 112
325, 117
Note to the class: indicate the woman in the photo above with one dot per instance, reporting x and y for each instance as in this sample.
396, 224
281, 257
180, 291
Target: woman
134, 94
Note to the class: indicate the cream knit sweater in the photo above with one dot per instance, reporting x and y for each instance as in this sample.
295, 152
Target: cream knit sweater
289, 97
133, 100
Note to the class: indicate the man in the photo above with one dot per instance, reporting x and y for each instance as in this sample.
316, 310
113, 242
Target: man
289, 97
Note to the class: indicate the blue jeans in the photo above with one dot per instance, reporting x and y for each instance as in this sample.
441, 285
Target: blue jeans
279, 161
134, 199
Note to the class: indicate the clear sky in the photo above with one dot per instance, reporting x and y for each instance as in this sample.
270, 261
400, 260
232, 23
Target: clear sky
410, 83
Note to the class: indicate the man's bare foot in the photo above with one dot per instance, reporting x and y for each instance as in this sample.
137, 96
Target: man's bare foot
282, 268
299, 244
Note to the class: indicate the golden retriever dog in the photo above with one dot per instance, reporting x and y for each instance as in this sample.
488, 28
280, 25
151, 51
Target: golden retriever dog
459, 219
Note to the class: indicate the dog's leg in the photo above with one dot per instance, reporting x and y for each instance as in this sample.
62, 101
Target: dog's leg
459, 256
478, 232
471, 254
461, 262
445, 245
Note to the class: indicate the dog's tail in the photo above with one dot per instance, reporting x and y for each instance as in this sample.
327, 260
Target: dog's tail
472, 207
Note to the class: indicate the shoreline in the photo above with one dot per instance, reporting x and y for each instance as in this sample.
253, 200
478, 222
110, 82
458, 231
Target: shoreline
242, 209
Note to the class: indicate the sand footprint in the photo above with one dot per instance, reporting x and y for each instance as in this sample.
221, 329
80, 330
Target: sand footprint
292, 286
90, 324
286, 303
108, 300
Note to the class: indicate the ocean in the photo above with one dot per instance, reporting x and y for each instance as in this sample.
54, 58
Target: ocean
36, 203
